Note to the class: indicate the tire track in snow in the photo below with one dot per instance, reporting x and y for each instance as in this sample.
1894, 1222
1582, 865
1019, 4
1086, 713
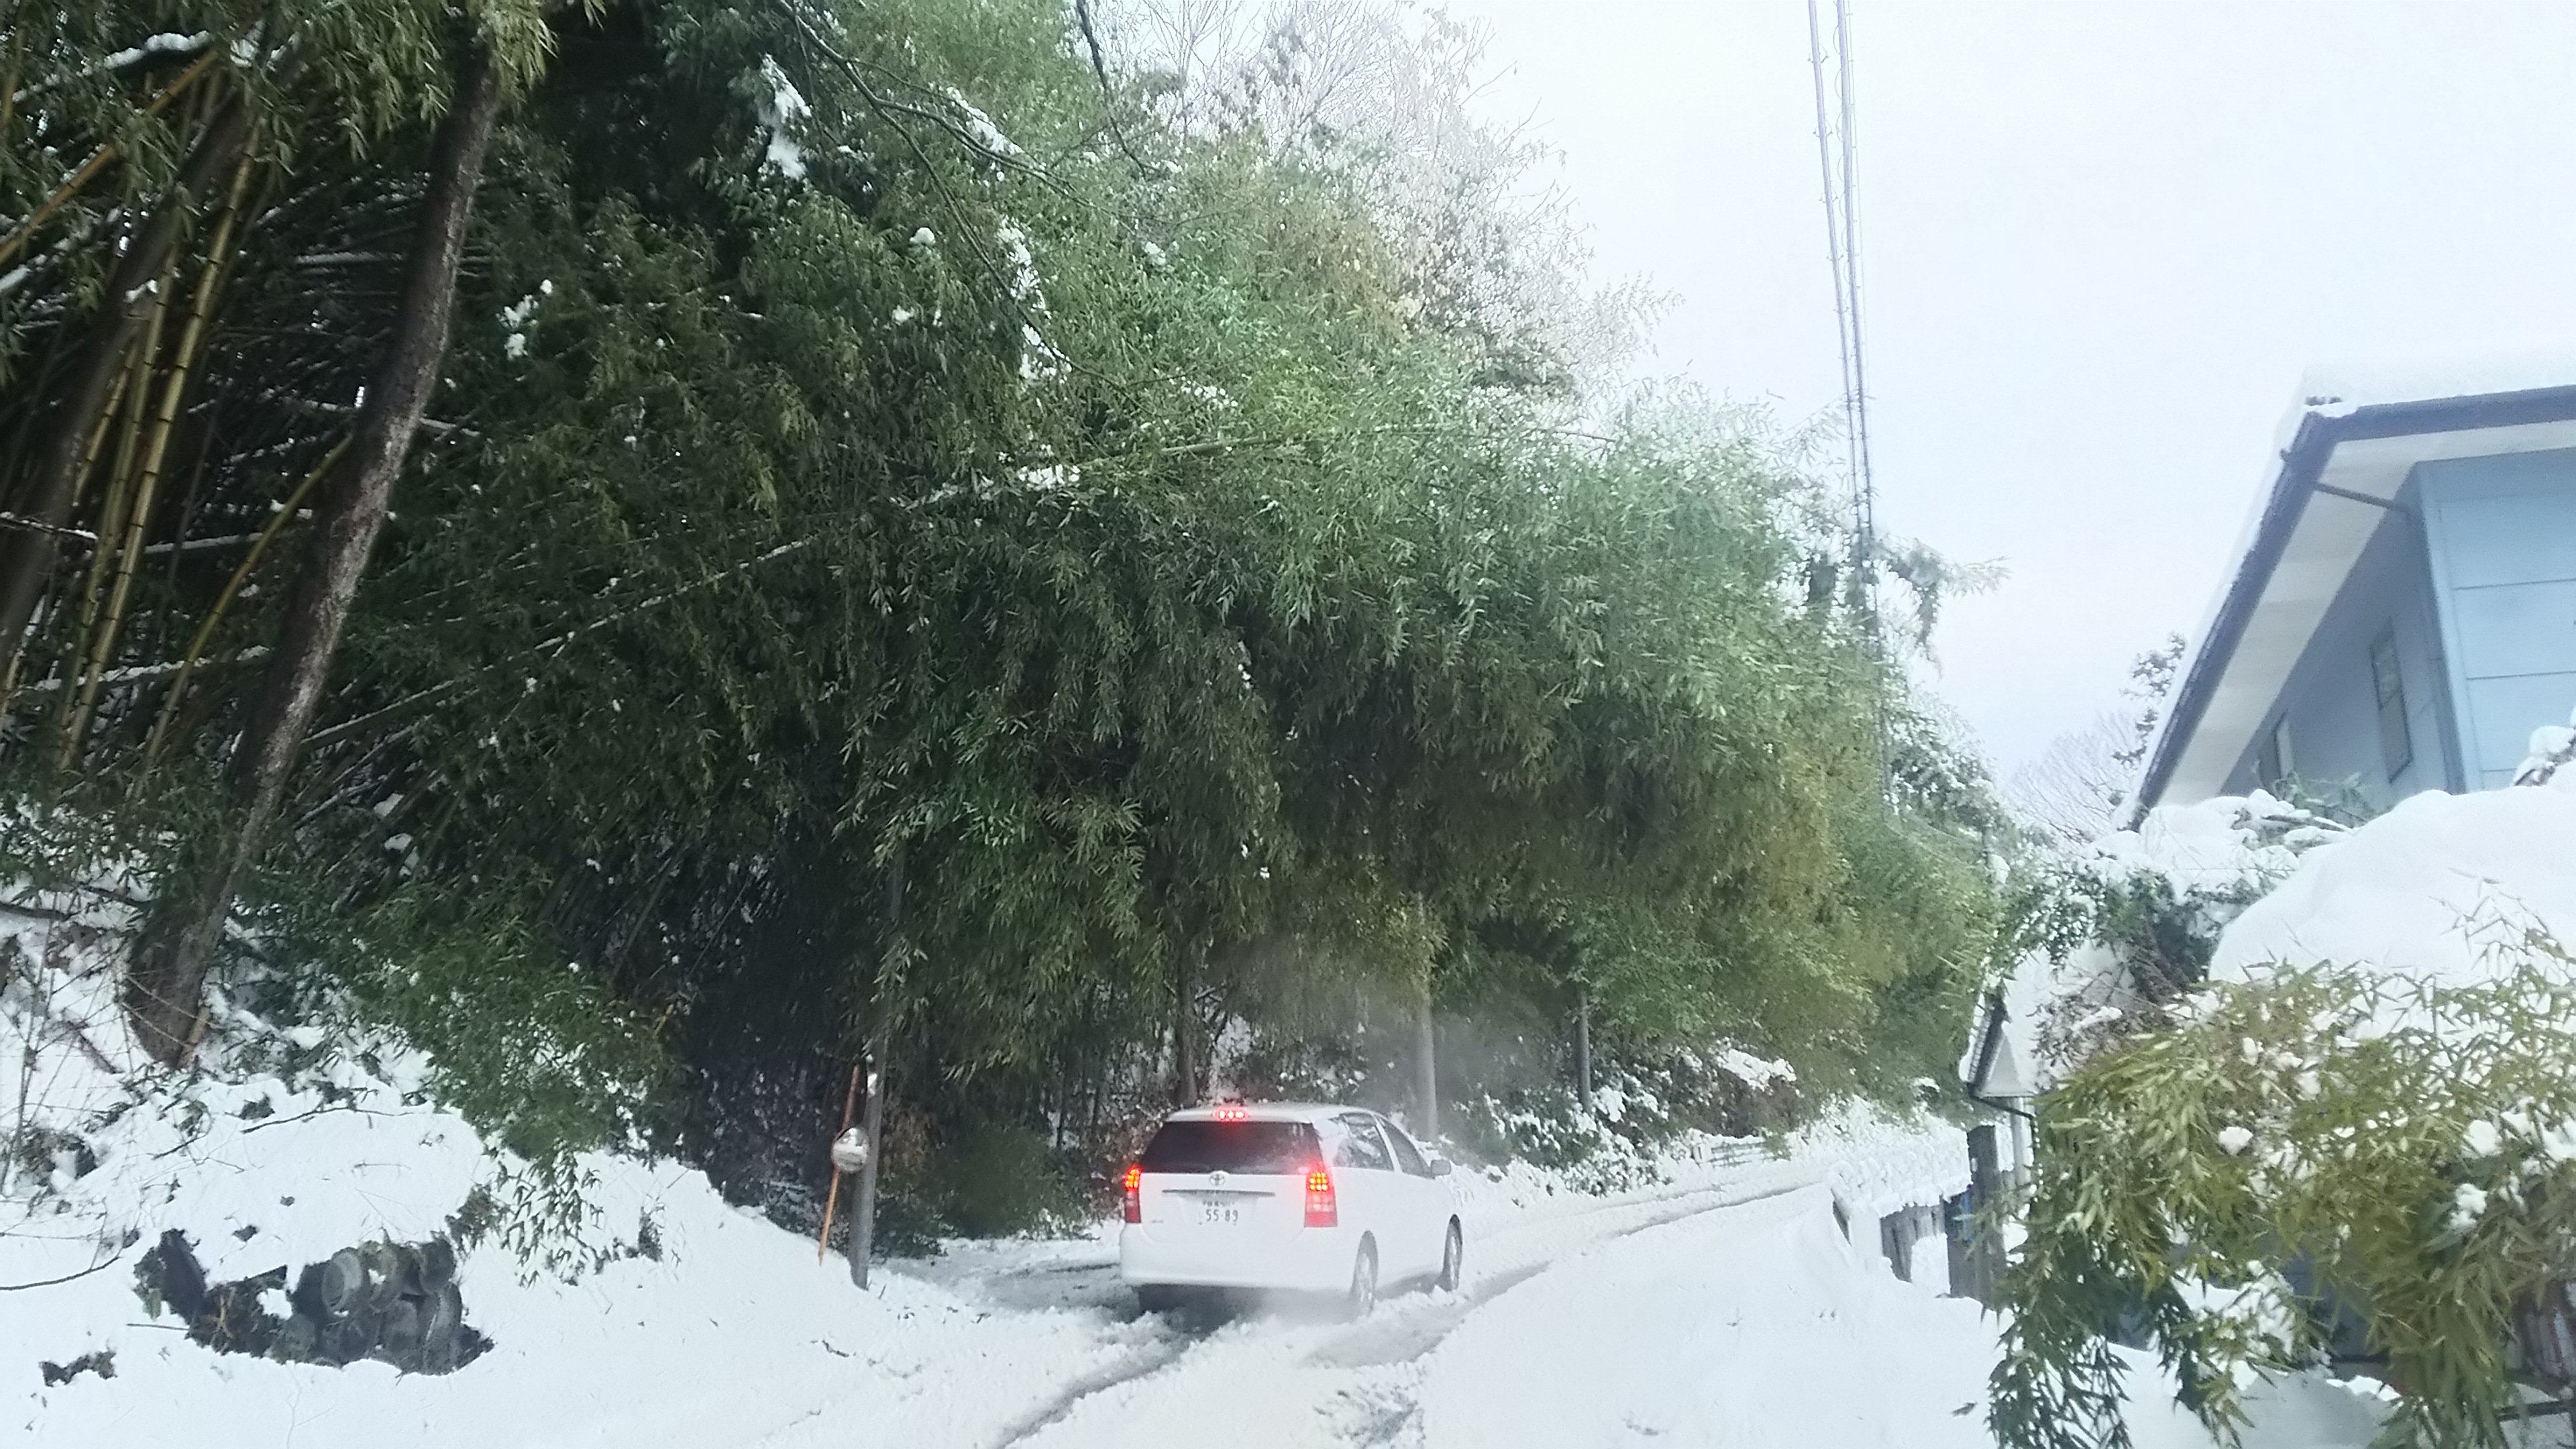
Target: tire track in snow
1418, 1334
1072, 1395
1391, 1416
1399, 1340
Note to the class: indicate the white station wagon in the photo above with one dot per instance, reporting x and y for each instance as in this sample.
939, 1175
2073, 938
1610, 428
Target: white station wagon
1286, 1195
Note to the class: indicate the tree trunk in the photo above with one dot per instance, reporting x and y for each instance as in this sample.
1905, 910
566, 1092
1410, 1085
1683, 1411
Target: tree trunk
1185, 1034
164, 992
27, 553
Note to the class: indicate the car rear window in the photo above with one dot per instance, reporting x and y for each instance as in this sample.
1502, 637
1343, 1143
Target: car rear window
1271, 1147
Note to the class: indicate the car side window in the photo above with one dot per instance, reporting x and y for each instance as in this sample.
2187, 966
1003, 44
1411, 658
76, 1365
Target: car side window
1361, 1146
1407, 1156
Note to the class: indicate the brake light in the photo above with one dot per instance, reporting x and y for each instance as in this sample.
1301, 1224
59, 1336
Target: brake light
1231, 1112
1322, 1211
1136, 1194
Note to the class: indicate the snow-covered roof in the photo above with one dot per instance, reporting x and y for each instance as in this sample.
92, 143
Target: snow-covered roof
2346, 447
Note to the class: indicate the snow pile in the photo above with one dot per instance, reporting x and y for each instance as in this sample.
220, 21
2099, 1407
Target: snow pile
1923, 1174
2551, 746
1880, 1163
2434, 890
1759, 1074
2218, 847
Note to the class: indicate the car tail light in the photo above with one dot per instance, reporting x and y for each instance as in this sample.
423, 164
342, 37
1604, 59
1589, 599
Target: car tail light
1136, 1195
1231, 1112
1321, 1209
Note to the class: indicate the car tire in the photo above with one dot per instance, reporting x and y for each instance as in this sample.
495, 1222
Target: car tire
1362, 1296
1453, 1259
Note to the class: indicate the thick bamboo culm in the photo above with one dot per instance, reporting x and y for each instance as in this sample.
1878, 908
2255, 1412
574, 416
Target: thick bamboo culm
111, 518
155, 451
88, 461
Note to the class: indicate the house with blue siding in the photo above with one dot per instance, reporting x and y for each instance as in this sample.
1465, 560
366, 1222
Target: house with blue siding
2402, 613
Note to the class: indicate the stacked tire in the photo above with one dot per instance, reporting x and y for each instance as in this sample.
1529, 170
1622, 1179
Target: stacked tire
394, 1302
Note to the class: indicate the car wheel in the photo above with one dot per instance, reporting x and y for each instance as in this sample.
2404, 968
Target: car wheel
1363, 1294
1453, 1259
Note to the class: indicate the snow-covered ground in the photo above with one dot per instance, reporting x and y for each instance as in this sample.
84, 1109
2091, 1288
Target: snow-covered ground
692, 1322
1721, 1305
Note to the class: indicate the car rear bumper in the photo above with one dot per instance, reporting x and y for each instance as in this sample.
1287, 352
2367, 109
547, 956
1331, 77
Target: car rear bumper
1313, 1260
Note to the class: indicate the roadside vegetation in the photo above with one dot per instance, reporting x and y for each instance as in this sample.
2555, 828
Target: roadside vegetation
657, 546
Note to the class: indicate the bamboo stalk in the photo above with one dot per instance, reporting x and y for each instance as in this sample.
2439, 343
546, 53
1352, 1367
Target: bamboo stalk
9, 86
88, 460
111, 515
223, 601
99, 158
832, 1199
155, 452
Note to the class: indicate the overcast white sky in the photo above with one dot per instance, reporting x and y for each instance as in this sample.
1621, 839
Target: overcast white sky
2102, 240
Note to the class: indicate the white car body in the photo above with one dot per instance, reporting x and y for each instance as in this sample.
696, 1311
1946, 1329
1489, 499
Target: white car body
1225, 1217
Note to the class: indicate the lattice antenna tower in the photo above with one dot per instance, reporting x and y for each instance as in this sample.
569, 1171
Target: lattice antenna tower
1835, 151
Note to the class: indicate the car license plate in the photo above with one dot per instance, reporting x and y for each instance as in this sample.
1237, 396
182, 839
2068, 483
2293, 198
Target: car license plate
1219, 1214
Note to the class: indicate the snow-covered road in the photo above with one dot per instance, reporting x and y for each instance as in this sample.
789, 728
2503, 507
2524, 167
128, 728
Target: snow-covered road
1279, 1377
1689, 1311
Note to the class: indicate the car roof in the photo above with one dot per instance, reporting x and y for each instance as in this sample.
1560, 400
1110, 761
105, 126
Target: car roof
1265, 1112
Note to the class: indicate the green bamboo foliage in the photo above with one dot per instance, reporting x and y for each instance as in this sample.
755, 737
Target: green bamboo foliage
867, 435
2329, 1135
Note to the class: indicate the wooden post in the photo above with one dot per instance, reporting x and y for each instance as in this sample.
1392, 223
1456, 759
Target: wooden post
1985, 1242
832, 1199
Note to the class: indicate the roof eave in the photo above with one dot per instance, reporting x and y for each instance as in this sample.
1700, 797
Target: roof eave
2302, 462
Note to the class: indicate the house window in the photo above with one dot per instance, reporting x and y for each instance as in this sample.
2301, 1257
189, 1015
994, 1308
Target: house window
2396, 743
2273, 765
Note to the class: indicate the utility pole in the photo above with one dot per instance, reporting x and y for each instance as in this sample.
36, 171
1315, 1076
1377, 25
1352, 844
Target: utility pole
863, 1225
1583, 1044
1427, 1064
863, 1222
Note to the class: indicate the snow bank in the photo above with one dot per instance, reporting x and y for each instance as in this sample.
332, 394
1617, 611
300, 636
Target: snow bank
2431, 890
1879, 1162
1761, 1325
686, 1321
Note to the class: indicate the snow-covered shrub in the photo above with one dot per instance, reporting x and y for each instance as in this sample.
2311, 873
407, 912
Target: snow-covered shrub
2410, 1144
1615, 1140
2370, 1097
2096, 945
